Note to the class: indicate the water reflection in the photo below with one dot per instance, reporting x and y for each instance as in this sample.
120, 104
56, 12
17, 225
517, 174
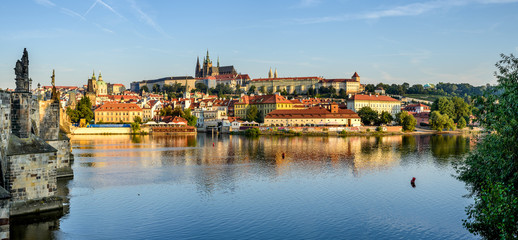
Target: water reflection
237, 174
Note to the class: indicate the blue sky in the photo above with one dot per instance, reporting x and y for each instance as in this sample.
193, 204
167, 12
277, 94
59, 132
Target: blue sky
384, 41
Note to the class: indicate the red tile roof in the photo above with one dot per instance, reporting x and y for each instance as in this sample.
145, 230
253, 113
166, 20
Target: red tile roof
313, 112
361, 97
287, 78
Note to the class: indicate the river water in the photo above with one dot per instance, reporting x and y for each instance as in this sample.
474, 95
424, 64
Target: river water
233, 187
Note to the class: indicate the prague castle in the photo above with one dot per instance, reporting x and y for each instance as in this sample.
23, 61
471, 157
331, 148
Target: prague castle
209, 70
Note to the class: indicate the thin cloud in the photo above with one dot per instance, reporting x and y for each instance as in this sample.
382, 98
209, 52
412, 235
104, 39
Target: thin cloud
72, 13
46, 3
147, 19
104, 5
413, 9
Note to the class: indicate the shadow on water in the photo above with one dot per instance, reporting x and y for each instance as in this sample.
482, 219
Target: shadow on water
42, 225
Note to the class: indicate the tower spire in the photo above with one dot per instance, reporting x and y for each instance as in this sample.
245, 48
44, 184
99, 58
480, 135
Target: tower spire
218, 61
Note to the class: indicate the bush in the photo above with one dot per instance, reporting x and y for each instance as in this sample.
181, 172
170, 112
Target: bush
252, 132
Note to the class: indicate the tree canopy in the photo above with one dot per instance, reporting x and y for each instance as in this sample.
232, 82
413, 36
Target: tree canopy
367, 115
491, 170
83, 111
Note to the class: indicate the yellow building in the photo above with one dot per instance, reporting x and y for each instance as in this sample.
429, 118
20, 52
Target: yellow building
117, 112
290, 84
265, 104
378, 103
314, 116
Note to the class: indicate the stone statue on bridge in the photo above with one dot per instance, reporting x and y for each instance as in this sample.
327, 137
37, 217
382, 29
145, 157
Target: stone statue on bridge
21, 70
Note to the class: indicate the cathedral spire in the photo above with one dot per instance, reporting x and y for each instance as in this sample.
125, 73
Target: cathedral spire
270, 73
275, 74
208, 59
218, 61
197, 73
93, 74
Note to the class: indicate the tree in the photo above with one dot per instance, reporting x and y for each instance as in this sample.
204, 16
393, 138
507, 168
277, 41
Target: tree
191, 119
251, 89
445, 106
135, 125
137, 119
311, 91
342, 93
262, 89
408, 121
461, 109
491, 170
461, 123
156, 88
83, 111
252, 113
440, 121
144, 89
385, 118
370, 88
177, 112
167, 111
201, 87
367, 115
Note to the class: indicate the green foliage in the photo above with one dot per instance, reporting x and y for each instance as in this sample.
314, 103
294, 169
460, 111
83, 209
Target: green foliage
462, 123
156, 88
144, 88
137, 119
491, 170
177, 112
201, 87
379, 129
83, 111
262, 89
367, 115
384, 118
407, 121
251, 89
252, 132
252, 113
135, 127
191, 119
494, 213
441, 122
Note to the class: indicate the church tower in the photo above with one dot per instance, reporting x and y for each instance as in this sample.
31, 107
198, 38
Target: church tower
275, 74
356, 77
198, 70
270, 73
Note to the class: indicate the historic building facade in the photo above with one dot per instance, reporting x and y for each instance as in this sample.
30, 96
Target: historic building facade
264, 103
313, 116
378, 103
118, 112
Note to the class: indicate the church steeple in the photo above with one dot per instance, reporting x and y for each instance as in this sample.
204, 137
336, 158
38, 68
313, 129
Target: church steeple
100, 76
275, 74
208, 58
198, 70
218, 61
270, 73
93, 75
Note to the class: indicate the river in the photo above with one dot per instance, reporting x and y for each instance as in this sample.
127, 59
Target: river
233, 187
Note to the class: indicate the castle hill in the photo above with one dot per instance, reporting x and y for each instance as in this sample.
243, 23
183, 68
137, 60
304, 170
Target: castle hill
312, 120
